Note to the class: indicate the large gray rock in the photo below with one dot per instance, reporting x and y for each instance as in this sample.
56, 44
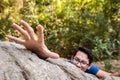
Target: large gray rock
18, 63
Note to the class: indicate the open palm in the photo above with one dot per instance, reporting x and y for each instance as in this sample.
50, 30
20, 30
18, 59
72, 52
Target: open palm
31, 41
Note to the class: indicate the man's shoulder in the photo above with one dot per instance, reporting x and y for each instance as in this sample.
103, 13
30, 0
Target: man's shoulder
70, 61
93, 69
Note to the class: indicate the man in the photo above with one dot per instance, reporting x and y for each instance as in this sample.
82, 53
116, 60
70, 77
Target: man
82, 57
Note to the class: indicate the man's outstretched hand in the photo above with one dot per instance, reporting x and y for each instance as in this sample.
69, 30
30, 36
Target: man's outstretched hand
31, 41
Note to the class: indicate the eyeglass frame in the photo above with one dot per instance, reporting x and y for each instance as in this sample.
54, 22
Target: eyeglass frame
83, 63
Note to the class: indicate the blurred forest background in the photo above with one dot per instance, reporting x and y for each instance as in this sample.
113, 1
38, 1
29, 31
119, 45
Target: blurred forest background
68, 24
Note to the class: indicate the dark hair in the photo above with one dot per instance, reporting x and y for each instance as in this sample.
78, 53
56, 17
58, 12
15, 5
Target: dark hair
86, 51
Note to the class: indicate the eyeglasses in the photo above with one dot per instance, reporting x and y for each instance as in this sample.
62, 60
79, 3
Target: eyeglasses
77, 60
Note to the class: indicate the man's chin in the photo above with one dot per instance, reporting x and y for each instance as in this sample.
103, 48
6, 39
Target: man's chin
83, 69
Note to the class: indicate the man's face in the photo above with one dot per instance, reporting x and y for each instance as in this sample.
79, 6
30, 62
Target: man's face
81, 60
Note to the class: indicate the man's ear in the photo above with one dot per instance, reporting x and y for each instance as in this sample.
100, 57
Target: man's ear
72, 57
89, 66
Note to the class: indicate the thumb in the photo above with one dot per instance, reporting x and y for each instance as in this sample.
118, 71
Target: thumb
53, 55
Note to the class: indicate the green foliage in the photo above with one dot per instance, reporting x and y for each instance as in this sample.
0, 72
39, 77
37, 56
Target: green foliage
68, 23
13, 12
104, 49
108, 65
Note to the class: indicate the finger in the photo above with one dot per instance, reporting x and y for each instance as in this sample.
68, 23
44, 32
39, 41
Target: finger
53, 55
29, 29
40, 34
23, 32
17, 40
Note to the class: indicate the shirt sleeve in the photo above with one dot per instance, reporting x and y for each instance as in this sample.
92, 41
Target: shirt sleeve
69, 61
93, 70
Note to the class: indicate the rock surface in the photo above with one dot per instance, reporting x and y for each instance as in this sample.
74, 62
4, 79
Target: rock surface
18, 63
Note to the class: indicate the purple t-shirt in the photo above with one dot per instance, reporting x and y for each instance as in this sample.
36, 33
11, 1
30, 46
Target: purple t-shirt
93, 69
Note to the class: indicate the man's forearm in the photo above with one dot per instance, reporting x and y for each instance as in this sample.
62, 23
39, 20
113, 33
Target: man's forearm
115, 74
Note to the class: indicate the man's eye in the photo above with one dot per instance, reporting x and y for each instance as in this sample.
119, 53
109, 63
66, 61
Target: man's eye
83, 62
77, 59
